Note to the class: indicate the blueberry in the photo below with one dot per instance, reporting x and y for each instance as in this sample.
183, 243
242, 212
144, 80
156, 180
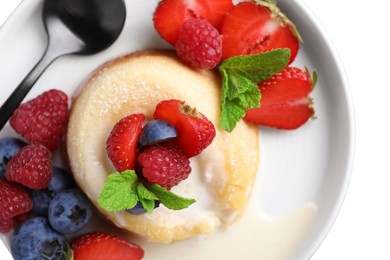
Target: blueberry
69, 211
9, 146
138, 209
61, 180
156, 131
35, 239
41, 200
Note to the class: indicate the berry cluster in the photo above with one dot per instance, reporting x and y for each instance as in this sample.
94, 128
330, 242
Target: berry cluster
38, 199
160, 150
26, 171
205, 33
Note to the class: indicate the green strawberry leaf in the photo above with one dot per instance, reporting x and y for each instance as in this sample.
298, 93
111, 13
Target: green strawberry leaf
119, 191
240, 76
170, 199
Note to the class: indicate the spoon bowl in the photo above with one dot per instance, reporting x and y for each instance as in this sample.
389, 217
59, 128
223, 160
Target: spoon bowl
96, 23
73, 27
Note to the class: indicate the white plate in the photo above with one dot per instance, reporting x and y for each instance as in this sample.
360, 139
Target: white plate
309, 165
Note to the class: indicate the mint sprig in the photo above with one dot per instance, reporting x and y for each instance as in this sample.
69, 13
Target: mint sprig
240, 76
169, 199
123, 191
119, 192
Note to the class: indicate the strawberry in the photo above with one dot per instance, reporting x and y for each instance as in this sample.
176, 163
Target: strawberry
42, 120
122, 142
285, 103
99, 245
170, 15
31, 166
251, 28
14, 202
195, 131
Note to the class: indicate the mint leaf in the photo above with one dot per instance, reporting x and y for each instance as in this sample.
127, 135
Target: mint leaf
257, 67
240, 76
170, 199
123, 191
146, 197
231, 113
119, 191
144, 193
147, 204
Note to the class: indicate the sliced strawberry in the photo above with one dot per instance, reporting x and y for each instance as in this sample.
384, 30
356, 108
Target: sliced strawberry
122, 142
170, 15
252, 28
195, 131
98, 245
285, 103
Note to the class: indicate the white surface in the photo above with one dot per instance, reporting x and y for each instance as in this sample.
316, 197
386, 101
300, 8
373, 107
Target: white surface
360, 38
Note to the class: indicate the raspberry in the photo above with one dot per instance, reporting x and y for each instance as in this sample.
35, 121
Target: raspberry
164, 165
42, 120
199, 44
14, 202
6, 225
31, 166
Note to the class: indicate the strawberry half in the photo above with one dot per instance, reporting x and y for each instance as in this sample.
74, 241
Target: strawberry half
195, 131
122, 142
170, 15
98, 245
285, 102
251, 28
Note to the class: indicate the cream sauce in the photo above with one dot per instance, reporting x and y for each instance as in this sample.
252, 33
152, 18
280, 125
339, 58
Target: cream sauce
254, 236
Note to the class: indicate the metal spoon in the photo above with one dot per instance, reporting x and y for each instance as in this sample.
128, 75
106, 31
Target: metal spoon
73, 27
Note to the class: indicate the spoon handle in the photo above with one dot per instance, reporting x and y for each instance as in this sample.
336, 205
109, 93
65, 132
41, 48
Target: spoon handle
22, 90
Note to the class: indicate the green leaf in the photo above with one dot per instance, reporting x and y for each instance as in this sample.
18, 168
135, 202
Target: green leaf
146, 197
144, 193
119, 191
240, 76
147, 204
170, 199
231, 113
257, 67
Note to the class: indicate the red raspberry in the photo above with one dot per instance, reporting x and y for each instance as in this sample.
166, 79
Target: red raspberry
199, 44
42, 120
14, 202
164, 165
31, 166
6, 225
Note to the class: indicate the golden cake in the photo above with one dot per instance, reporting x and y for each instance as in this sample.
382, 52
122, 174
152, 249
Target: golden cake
222, 175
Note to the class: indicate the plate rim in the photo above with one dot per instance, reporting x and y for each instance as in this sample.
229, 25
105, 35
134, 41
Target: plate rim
351, 124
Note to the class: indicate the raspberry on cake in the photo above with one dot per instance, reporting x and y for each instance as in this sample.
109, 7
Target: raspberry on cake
222, 175
164, 165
